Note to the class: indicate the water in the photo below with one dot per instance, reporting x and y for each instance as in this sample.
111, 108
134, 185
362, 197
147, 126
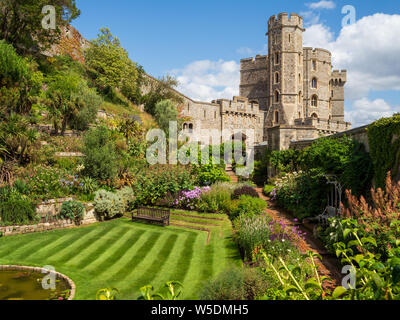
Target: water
21, 285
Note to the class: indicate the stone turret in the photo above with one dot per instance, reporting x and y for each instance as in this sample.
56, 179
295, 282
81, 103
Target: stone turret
285, 53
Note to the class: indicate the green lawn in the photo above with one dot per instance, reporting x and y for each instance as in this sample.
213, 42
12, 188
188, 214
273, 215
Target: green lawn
129, 255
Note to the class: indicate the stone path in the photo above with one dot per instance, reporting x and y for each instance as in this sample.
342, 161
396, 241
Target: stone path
231, 173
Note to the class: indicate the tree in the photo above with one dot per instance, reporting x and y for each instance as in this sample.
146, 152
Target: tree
161, 89
164, 112
63, 99
20, 81
110, 66
21, 22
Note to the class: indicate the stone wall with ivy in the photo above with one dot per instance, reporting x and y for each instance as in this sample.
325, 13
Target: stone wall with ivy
384, 145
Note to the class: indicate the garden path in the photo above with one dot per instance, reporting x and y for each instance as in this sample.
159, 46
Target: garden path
329, 266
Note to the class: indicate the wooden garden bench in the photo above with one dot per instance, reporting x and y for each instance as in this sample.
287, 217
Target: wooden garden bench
152, 215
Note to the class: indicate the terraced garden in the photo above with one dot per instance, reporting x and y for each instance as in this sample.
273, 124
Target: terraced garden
129, 255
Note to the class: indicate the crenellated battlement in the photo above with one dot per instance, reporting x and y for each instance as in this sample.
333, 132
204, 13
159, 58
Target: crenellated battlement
285, 19
258, 62
339, 77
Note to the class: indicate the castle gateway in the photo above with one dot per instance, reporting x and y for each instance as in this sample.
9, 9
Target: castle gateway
291, 94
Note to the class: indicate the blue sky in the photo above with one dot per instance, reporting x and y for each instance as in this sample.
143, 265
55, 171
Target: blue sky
202, 42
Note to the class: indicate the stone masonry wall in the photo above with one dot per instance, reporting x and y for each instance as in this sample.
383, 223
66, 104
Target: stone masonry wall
47, 212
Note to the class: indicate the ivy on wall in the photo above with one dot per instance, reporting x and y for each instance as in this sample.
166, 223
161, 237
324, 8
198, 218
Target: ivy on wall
384, 142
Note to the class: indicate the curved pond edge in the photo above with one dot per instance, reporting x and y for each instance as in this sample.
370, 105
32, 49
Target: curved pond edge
59, 275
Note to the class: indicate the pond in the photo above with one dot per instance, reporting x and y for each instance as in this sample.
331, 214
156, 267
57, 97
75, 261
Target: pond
26, 285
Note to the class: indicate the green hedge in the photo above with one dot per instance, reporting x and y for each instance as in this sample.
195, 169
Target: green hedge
384, 144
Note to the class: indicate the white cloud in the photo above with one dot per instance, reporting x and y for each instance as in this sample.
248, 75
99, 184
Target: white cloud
365, 111
368, 49
318, 36
310, 17
322, 5
207, 80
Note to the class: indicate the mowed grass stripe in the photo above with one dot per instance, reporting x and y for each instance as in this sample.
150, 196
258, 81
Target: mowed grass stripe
157, 266
136, 257
185, 258
51, 244
27, 251
59, 246
11, 244
108, 242
78, 243
115, 252
86, 250
119, 254
194, 273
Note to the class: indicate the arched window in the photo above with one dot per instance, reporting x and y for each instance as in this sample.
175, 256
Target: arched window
314, 83
277, 96
185, 126
314, 101
300, 97
276, 117
314, 115
299, 116
289, 37
299, 78
314, 65
277, 58
190, 127
276, 77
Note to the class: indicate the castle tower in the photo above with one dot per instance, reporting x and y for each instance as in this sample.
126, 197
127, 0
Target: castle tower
285, 64
338, 80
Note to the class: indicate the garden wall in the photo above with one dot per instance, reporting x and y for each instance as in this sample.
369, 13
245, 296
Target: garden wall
359, 134
48, 212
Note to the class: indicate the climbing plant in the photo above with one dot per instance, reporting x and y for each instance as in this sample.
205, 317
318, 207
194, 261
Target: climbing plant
384, 142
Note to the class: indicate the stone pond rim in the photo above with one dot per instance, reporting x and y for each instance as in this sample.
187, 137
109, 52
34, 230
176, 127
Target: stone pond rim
59, 275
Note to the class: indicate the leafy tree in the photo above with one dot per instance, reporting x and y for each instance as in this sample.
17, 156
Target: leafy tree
165, 111
88, 114
20, 81
21, 22
63, 99
161, 89
110, 66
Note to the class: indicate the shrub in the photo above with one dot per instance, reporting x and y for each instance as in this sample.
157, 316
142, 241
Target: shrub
101, 159
108, 204
268, 189
245, 191
252, 232
72, 210
215, 200
209, 174
127, 196
249, 206
235, 284
16, 212
89, 185
45, 183
154, 183
303, 193
190, 199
